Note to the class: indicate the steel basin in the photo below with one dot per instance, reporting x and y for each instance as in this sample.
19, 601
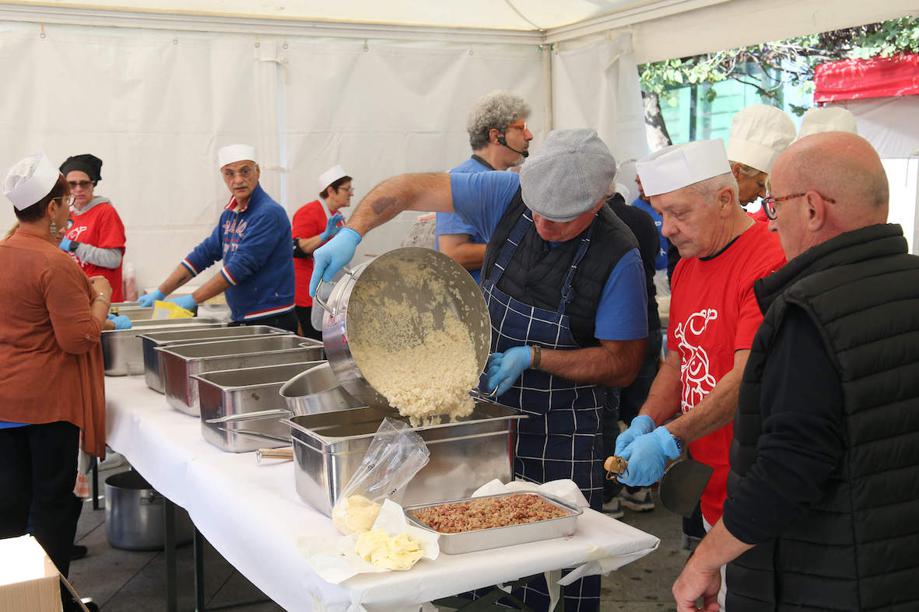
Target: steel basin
329, 448
179, 363
317, 390
153, 374
123, 351
241, 410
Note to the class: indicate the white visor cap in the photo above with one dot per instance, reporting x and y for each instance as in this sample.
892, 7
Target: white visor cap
330, 176
29, 180
234, 153
679, 166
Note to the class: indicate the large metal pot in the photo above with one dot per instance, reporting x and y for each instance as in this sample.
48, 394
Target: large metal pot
317, 390
355, 300
134, 514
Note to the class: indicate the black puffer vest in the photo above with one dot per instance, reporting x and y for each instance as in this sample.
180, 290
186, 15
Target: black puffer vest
537, 272
858, 547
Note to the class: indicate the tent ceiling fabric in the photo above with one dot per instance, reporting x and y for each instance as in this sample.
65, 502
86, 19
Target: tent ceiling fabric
522, 15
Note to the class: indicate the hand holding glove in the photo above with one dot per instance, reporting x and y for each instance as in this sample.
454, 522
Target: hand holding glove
120, 321
332, 227
647, 456
333, 256
505, 368
641, 425
185, 301
147, 299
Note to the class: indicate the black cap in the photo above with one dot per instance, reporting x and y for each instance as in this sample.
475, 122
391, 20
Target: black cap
86, 162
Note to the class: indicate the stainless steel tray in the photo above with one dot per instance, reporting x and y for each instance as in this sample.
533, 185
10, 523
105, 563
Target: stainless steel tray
329, 448
241, 410
132, 311
123, 351
499, 537
317, 390
180, 363
153, 374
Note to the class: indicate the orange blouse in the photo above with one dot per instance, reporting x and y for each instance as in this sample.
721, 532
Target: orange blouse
51, 365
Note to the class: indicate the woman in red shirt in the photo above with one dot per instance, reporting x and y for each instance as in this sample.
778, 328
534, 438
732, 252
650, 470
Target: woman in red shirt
313, 225
96, 237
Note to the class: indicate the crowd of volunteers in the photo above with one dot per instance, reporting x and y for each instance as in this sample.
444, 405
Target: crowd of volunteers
789, 367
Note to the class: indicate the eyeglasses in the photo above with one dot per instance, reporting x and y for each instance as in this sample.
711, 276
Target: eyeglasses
517, 125
244, 172
80, 184
769, 202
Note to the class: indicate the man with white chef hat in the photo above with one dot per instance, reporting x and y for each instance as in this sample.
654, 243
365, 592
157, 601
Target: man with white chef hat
759, 133
713, 316
252, 238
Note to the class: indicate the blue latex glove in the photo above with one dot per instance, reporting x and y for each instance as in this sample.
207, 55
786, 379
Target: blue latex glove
185, 301
333, 256
505, 368
641, 425
64, 245
120, 321
331, 227
147, 299
647, 456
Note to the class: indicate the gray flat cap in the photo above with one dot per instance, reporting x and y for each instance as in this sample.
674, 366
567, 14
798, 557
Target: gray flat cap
570, 172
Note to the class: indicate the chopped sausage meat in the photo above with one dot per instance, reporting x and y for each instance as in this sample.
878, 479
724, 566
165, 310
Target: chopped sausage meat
488, 513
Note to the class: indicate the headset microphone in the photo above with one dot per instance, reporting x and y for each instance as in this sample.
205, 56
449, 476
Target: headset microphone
503, 141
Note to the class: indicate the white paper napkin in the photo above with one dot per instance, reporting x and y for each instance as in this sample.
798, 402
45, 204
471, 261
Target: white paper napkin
565, 490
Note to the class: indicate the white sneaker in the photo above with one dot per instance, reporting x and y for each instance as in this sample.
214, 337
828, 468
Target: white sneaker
613, 508
639, 501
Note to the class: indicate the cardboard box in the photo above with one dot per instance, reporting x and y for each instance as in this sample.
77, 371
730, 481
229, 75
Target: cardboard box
28, 578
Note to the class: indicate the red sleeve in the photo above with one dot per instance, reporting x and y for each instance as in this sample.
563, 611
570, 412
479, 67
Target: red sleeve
110, 234
308, 221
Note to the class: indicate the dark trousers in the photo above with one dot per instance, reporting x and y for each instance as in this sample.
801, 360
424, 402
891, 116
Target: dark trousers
38, 469
304, 315
285, 320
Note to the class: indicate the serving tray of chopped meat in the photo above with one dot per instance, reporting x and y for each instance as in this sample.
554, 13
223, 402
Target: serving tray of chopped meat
495, 521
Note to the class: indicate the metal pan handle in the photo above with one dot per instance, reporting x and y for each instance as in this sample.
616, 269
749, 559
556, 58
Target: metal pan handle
286, 453
249, 416
319, 300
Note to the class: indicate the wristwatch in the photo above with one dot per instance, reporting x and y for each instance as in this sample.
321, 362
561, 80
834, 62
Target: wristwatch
73, 246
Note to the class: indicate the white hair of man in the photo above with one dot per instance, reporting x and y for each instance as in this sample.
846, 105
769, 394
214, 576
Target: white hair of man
710, 187
494, 111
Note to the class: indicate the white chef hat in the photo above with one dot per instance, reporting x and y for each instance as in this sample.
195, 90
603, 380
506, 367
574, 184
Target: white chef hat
330, 176
234, 153
827, 119
679, 166
29, 180
759, 133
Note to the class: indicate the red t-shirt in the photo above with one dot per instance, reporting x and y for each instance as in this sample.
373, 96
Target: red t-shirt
309, 221
713, 313
101, 227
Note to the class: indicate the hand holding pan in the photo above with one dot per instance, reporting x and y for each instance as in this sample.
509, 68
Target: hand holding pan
681, 486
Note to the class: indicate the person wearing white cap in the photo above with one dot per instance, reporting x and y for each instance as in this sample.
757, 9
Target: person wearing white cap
713, 316
499, 139
827, 119
566, 295
252, 238
51, 365
759, 133
313, 225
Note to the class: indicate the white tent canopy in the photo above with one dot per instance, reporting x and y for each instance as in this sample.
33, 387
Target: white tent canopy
154, 88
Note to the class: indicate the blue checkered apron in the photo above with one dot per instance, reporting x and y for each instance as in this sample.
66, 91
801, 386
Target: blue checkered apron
561, 438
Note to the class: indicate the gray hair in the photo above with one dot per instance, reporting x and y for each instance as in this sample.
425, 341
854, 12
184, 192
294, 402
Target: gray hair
496, 110
710, 187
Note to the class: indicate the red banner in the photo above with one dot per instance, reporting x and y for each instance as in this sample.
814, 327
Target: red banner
874, 78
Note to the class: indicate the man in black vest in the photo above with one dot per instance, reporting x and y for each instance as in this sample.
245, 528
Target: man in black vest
565, 290
823, 493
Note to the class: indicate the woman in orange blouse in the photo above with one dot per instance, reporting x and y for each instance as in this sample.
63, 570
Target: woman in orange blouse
51, 373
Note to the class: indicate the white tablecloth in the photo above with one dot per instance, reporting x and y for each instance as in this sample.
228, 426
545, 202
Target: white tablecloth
252, 515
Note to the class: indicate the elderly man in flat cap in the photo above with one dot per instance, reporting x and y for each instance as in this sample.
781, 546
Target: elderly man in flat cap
824, 464
713, 317
253, 240
565, 290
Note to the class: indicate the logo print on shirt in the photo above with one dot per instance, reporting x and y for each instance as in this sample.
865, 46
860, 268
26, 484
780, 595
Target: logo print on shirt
695, 378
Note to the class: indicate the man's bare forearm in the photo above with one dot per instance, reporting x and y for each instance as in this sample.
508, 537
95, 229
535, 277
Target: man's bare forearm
179, 277
468, 254
215, 285
664, 397
614, 364
424, 192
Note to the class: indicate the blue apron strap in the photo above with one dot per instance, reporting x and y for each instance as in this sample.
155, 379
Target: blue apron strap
567, 291
509, 247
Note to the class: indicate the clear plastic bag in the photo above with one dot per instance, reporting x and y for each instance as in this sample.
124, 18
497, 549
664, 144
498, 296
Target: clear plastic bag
395, 455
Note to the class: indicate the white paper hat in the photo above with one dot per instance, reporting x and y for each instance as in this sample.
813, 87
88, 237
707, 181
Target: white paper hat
827, 119
234, 153
759, 133
29, 180
330, 176
679, 166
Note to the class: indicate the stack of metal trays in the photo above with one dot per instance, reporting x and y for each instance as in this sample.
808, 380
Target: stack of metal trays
180, 363
123, 351
153, 375
498, 537
241, 409
329, 448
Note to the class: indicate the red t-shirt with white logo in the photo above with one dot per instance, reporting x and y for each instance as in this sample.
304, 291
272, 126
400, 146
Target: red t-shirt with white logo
713, 313
101, 227
310, 220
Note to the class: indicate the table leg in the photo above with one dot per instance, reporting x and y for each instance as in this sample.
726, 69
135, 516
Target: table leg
169, 548
95, 472
199, 571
